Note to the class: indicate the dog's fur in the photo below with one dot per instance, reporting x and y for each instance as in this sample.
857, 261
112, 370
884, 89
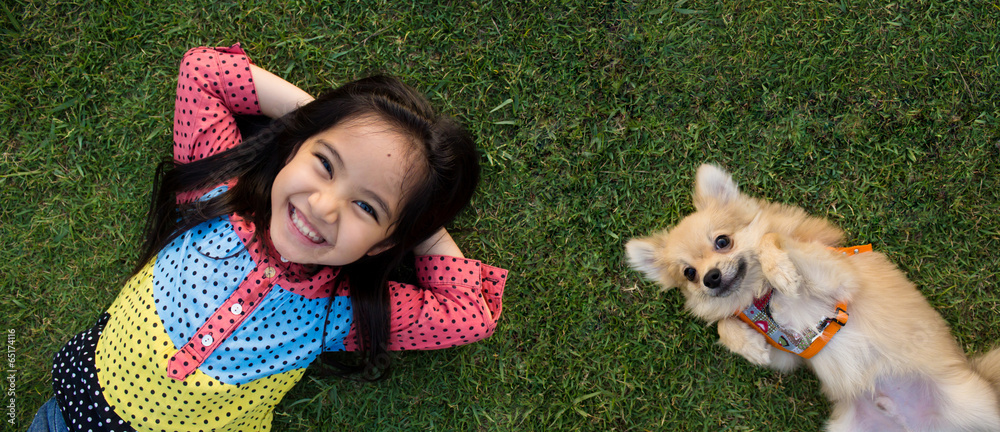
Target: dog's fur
893, 367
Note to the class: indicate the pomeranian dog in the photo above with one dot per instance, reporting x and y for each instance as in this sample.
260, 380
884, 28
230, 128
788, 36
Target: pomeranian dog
782, 295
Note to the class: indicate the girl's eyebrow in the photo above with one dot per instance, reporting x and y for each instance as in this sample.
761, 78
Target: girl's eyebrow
339, 162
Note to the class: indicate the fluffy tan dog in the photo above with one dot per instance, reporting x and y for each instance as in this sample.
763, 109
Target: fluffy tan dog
892, 366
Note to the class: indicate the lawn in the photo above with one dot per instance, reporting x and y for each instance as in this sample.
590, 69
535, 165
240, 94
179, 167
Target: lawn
591, 117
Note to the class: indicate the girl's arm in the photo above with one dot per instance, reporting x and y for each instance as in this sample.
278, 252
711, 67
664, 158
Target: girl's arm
440, 243
213, 85
456, 301
276, 96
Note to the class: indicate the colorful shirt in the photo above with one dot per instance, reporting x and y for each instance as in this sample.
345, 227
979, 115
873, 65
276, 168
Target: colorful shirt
214, 330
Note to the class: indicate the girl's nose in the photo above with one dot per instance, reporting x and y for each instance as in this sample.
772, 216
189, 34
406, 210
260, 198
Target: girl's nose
326, 206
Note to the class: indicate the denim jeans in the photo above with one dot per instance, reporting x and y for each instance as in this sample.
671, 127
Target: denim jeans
48, 419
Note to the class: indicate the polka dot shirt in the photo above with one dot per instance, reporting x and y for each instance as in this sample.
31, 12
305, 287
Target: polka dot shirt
214, 331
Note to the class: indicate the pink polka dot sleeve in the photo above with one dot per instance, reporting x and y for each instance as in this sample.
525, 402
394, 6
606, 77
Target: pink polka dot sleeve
459, 301
213, 85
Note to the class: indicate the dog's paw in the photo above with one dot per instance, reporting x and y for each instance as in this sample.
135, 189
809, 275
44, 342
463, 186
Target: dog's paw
777, 267
745, 341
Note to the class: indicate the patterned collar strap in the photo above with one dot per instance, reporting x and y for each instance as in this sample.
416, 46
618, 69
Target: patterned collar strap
805, 343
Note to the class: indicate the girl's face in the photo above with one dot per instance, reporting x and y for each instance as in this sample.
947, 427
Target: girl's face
338, 196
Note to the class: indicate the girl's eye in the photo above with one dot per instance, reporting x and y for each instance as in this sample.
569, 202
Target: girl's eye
367, 209
722, 242
326, 164
690, 273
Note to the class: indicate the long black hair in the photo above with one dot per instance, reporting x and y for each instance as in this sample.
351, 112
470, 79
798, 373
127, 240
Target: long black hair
435, 196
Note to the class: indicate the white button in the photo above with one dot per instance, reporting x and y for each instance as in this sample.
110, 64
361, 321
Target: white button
207, 340
236, 309
269, 272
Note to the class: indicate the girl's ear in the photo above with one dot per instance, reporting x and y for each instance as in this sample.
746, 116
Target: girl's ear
379, 248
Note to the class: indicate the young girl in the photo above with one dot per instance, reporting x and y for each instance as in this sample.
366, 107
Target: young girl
261, 254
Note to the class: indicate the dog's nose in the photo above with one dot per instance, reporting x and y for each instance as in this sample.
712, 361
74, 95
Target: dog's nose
712, 279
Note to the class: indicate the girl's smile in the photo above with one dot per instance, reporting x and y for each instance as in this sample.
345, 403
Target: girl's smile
337, 198
303, 226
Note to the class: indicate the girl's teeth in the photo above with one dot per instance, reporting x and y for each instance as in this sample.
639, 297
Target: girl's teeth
303, 228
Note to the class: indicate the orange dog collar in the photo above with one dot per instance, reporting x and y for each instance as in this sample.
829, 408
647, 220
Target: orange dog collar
805, 344
854, 250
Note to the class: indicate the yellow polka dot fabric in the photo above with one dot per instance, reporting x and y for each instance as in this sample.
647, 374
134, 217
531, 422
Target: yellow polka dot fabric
131, 360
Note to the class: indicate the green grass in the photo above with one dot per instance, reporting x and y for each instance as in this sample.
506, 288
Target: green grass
591, 117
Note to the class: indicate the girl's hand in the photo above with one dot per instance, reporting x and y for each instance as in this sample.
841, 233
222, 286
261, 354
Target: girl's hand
439, 243
276, 96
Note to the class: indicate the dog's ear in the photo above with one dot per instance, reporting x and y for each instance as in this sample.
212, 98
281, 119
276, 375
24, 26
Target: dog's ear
713, 185
641, 255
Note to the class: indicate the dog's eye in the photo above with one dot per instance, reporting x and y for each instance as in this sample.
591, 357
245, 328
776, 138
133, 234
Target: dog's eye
690, 273
722, 242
